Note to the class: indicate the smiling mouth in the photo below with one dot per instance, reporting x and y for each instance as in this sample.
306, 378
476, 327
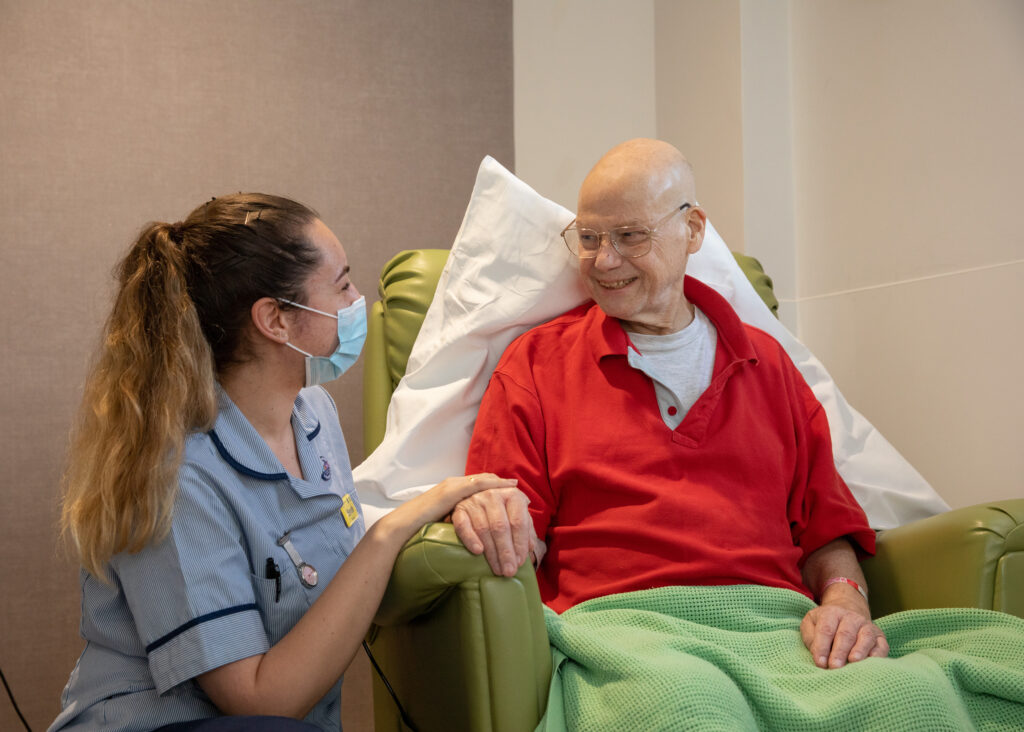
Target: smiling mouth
615, 284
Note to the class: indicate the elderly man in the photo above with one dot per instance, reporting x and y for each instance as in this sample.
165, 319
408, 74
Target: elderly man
661, 441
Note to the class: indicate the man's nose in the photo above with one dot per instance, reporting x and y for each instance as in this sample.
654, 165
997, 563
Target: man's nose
608, 256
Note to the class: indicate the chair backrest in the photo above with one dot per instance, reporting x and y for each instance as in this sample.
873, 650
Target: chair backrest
406, 288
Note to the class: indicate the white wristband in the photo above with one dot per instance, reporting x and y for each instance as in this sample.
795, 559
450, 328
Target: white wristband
846, 580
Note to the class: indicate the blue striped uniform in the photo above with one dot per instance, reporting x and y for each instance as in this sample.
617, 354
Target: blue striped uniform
201, 598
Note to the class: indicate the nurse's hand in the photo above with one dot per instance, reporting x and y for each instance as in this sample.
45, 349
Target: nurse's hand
446, 495
497, 523
436, 503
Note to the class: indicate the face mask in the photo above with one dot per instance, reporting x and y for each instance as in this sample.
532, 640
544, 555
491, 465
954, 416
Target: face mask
351, 336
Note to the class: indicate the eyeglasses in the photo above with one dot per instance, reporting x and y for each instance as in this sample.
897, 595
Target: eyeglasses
629, 241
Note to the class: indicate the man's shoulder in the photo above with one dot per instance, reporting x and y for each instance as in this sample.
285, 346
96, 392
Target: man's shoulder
744, 340
763, 341
776, 367
558, 334
575, 318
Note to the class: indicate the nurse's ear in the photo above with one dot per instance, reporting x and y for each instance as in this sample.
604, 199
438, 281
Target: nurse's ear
270, 320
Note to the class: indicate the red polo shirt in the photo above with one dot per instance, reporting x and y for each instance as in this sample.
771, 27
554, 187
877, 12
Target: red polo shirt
741, 492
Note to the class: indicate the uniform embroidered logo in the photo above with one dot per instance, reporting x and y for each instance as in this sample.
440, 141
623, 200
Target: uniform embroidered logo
326, 475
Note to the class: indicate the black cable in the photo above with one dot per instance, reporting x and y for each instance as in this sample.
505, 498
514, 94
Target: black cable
401, 710
10, 695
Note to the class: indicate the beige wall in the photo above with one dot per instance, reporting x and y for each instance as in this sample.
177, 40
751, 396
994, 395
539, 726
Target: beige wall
870, 155
699, 101
584, 80
375, 112
908, 155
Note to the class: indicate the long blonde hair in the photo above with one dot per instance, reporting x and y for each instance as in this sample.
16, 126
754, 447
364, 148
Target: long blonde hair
179, 317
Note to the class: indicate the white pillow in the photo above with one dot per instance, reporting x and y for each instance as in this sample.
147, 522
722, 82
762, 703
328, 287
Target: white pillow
508, 271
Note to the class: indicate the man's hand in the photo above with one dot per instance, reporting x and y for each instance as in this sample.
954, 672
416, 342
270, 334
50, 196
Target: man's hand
497, 523
840, 629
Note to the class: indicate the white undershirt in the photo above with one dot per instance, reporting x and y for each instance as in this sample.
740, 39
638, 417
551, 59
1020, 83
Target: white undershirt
680, 364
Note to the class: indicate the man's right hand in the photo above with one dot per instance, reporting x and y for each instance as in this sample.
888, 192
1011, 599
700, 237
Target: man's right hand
497, 523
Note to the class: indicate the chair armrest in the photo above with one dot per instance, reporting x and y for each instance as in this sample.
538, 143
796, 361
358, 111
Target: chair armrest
970, 557
432, 564
483, 637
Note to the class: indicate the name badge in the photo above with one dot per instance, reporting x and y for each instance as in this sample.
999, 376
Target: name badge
349, 512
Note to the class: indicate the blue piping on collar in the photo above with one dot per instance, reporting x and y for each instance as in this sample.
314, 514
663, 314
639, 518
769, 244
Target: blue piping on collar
238, 466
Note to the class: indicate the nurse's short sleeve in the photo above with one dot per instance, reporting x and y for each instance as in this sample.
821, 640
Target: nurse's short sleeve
191, 594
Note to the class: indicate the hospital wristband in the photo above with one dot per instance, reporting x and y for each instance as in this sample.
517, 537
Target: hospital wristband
846, 580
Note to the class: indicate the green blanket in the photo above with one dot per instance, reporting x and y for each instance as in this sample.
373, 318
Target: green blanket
731, 658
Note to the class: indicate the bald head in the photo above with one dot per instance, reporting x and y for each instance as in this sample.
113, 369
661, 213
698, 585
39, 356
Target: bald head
640, 172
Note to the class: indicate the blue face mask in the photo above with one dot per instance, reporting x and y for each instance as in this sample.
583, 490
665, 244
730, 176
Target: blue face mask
351, 336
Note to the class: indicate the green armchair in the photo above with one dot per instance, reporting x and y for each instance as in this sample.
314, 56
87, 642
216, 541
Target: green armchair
465, 650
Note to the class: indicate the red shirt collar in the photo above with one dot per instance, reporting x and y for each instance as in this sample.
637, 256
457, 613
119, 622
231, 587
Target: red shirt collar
609, 339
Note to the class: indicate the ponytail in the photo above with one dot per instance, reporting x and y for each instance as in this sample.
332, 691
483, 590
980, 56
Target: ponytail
152, 383
181, 316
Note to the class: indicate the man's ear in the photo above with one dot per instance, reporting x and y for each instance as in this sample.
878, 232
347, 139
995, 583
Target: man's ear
696, 222
268, 319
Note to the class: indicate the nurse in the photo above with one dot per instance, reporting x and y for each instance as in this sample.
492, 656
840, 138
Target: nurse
227, 569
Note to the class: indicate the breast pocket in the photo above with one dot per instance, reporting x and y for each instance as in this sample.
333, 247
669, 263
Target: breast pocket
312, 555
281, 599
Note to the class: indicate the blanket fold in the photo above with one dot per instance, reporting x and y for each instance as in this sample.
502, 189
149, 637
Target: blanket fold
731, 658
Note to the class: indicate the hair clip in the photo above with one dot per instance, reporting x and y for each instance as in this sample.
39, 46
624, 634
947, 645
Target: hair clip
249, 216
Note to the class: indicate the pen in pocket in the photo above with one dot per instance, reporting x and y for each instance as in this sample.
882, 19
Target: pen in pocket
274, 572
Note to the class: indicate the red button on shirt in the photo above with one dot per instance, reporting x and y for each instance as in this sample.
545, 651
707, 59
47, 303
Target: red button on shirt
672, 411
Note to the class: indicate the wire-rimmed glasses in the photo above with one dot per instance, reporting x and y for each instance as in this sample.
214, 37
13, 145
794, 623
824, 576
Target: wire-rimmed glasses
629, 241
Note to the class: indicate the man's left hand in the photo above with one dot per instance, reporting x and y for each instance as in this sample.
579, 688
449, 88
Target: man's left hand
839, 631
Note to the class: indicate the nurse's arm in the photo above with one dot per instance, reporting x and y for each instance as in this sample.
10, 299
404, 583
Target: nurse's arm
290, 678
